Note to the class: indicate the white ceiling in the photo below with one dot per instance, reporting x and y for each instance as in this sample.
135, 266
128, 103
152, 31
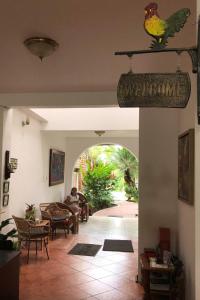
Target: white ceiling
88, 33
111, 118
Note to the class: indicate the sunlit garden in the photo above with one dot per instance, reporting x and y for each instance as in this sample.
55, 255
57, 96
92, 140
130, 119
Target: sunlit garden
107, 174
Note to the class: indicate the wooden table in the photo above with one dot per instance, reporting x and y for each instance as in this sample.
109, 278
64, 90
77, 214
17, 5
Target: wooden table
42, 223
146, 269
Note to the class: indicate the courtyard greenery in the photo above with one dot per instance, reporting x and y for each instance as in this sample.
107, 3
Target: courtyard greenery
128, 165
98, 184
107, 169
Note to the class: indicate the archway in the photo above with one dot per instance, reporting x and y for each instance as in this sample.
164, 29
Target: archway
118, 221
122, 183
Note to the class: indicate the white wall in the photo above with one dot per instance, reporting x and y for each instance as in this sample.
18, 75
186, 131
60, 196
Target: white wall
186, 213
30, 145
5, 121
159, 204
29, 184
157, 175
1, 156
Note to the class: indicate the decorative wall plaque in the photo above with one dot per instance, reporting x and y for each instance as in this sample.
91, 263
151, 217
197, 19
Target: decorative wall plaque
154, 90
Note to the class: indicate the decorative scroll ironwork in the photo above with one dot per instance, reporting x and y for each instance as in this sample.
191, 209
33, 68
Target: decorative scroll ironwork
154, 90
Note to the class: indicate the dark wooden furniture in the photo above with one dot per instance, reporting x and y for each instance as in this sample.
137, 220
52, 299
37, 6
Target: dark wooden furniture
57, 216
74, 216
84, 205
9, 274
147, 270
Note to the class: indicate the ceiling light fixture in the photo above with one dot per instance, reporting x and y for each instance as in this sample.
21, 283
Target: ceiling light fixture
99, 132
41, 46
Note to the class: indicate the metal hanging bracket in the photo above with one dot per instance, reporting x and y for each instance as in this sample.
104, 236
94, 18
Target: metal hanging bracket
193, 51
194, 54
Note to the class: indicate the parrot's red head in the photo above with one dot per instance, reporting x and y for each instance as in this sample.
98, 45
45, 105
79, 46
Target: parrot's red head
151, 10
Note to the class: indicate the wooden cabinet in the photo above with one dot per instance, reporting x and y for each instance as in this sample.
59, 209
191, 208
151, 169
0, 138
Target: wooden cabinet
9, 275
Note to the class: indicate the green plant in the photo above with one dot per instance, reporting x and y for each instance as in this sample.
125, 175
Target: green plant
128, 164
131, 193
98, 182
5, 243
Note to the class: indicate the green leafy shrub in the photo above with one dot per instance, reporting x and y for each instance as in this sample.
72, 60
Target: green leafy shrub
98, 183
128, 164
131, 193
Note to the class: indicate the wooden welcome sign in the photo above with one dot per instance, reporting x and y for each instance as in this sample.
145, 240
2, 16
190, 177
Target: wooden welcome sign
154, 90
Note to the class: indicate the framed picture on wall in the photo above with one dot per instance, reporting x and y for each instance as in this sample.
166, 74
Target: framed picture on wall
56, 167
6, 186
5, 199
186, 166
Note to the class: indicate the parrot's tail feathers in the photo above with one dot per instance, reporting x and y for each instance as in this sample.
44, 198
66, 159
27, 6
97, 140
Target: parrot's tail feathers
176, 22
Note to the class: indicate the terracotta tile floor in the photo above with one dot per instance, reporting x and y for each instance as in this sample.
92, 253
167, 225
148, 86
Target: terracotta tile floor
108, 275
124, 208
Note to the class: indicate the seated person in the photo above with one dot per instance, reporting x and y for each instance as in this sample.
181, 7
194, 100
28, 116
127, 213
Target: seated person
73, 200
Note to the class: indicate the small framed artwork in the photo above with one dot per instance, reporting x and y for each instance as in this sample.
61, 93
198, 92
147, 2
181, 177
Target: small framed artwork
56, 167
186, 167
6, 186
5, 199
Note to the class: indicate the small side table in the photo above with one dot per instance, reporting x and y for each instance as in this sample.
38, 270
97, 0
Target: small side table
146, 270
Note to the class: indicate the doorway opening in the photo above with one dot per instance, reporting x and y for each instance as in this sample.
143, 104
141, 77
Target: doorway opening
107, 174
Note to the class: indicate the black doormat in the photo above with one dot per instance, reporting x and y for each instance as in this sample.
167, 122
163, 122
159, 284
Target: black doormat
85, 249
118, 245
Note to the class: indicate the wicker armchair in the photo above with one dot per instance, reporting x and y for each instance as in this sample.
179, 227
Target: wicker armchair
58, 217
74, 216
84, 205
29, 231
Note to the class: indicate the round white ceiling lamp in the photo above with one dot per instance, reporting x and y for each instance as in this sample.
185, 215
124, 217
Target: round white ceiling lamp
99, 132
41, 46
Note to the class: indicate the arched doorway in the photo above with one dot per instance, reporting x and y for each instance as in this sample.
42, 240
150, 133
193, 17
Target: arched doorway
122, 181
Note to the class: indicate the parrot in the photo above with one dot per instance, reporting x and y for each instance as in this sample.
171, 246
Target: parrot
160, 29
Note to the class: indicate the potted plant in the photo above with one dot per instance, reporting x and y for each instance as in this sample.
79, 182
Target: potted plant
5, 242
30, 212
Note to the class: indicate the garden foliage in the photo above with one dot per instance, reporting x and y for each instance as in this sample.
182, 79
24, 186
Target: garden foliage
98, 183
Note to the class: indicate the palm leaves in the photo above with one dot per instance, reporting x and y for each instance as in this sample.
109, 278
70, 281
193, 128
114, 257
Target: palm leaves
119, 164
128, 164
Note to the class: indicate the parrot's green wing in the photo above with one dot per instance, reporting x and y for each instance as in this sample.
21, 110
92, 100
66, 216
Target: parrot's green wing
176, 22
173, 24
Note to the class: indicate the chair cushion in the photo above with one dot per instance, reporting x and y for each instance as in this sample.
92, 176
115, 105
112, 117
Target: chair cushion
38, 230
59, 218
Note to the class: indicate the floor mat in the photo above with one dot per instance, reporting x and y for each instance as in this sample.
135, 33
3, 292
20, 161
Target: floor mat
85, 249
118, 245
